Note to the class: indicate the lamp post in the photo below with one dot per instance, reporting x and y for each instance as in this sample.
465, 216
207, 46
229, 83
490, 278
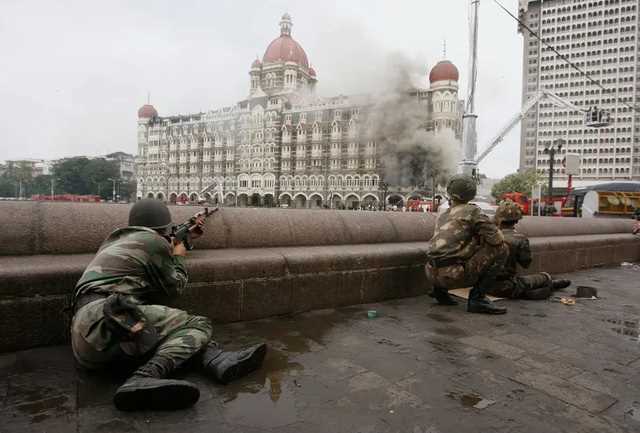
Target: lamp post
113, 193
551, 149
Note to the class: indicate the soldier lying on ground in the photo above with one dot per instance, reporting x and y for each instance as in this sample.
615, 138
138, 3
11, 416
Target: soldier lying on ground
467, 249
508, 284
118, 320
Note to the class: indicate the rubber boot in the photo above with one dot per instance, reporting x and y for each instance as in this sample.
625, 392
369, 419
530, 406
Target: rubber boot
479, 303
442, 296
559, 284
225, 367
556, 284
147, 389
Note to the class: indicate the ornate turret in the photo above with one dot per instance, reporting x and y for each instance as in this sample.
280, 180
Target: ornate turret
284, 67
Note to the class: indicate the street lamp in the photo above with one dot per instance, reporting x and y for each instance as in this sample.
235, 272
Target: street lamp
114, 180
551, 149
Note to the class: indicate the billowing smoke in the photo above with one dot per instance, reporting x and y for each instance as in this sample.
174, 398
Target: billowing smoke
411, 156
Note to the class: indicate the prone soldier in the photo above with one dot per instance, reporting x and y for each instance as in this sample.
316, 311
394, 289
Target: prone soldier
467, 249
508, 284
120, 320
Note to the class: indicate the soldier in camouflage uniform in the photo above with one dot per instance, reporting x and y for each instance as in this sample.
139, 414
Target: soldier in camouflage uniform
467, 249
508, 284
119, 319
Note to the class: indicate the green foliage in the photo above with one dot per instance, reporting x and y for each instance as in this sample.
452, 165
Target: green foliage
84, 176
79, 175
522, 182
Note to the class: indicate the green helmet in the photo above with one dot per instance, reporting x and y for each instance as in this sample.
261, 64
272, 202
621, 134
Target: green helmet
508, 211
150, 213
461, 187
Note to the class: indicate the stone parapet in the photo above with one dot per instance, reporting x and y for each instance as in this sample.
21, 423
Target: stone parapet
255, 263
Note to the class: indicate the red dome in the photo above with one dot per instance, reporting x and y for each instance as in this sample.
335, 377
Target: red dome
285, 49
147, 111
256, 63
312, 72
444, 71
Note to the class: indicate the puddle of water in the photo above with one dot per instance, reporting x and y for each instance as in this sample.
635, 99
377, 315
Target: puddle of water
440, 318
275, 368
39, 410
451, 331
467, 400
626, 323
263, 409
471, 400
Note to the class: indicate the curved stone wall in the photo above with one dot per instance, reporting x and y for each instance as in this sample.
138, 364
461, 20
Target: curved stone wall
73, 228
255, 263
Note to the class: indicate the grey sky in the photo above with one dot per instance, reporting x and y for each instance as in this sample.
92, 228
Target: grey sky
75, 72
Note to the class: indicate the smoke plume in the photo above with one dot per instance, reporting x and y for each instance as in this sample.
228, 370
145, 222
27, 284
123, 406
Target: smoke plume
411, 156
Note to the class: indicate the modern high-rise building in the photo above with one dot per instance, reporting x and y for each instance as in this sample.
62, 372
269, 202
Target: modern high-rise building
282, 145
599, 37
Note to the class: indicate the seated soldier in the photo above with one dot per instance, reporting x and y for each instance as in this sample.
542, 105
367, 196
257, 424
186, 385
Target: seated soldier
119, 319
509, 284
467, 249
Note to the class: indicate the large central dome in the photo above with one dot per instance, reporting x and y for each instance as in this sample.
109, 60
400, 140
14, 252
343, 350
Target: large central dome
285, 48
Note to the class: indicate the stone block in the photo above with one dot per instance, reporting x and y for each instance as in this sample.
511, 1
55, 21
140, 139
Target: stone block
26, 276
32, 322
220, 301
487, 344
265, 297
315, 291
235, 264
568, 392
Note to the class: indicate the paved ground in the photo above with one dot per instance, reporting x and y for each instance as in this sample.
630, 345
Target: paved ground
417, 368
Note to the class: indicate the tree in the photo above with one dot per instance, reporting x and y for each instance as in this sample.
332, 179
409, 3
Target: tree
522, 182
83, 176
41, 184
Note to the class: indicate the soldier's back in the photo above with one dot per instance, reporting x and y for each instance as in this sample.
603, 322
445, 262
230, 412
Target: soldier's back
454, 233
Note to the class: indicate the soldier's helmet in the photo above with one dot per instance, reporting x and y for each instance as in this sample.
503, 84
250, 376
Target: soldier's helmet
150, 213
461, 187
508, 211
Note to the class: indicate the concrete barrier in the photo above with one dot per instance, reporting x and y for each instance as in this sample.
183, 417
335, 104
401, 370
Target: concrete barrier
255, 263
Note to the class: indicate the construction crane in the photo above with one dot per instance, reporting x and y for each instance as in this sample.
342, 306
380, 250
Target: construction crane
593, 117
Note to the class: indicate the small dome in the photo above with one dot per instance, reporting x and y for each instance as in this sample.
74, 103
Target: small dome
256, 63
312, 72
444, 70
147, 111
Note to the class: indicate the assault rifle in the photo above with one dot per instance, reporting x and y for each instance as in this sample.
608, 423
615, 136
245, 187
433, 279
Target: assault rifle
182, 232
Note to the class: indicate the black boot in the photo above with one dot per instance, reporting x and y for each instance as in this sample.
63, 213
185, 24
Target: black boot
148, 389
479, 303
559, 284
225, 367
442, 296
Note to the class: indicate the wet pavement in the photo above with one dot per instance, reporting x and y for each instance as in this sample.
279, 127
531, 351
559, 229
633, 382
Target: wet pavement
417, 368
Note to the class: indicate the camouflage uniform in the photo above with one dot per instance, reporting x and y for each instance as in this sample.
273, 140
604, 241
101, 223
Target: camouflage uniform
466, 248
134, 267
508, 284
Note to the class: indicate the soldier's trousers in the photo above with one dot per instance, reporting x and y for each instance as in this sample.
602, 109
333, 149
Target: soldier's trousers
169, 332
480, 269
517, 286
